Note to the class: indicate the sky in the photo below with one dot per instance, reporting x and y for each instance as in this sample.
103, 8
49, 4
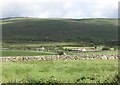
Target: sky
59, 8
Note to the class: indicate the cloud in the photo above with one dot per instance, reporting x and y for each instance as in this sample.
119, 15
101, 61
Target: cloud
60, 9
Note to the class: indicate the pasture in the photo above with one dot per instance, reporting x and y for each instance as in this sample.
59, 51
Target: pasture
79, 71
39, 53
25, 53
94, 53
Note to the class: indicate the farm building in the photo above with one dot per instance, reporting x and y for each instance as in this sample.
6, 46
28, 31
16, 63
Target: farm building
40, 49
80, 49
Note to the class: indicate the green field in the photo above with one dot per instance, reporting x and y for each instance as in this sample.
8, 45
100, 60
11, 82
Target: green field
25, 53
89, 53
59, 30
37, 53
80, 71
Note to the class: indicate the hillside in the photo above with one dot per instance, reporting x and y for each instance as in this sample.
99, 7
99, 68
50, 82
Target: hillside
57, 30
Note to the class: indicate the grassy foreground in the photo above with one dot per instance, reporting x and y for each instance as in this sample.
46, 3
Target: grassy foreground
80, 71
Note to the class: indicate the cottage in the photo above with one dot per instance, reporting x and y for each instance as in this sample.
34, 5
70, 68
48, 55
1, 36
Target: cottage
79, 50
40, 49
83, 49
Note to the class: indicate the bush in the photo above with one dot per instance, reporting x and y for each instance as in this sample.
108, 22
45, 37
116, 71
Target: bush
105, 48
60, 52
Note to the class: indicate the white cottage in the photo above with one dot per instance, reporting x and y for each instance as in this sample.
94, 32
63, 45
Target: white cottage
83, 49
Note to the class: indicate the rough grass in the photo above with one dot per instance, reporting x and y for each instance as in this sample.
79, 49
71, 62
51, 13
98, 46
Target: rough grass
33, 29
80, 71
25, 53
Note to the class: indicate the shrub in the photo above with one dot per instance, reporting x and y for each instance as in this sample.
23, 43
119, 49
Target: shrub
105, 48
60, 52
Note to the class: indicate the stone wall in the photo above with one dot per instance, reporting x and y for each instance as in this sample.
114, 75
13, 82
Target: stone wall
60, 57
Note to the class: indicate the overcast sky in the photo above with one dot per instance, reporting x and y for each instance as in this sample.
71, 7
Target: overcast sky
60, 8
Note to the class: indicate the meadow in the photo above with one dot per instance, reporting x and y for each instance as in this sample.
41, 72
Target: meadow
90, 53
39, 53
79, 71
25, 53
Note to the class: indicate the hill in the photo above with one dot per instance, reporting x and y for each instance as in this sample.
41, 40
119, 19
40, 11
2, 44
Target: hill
59, 30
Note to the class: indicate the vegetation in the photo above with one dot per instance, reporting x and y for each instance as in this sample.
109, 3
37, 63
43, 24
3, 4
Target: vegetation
90, 31
25, 53
79, 71
106, 48
35, 53
89, 53
60, 52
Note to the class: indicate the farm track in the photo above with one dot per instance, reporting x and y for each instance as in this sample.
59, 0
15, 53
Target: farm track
60, 57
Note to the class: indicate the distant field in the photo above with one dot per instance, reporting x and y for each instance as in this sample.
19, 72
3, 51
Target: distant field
79, 71
89, 53
25, 53
37, 53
